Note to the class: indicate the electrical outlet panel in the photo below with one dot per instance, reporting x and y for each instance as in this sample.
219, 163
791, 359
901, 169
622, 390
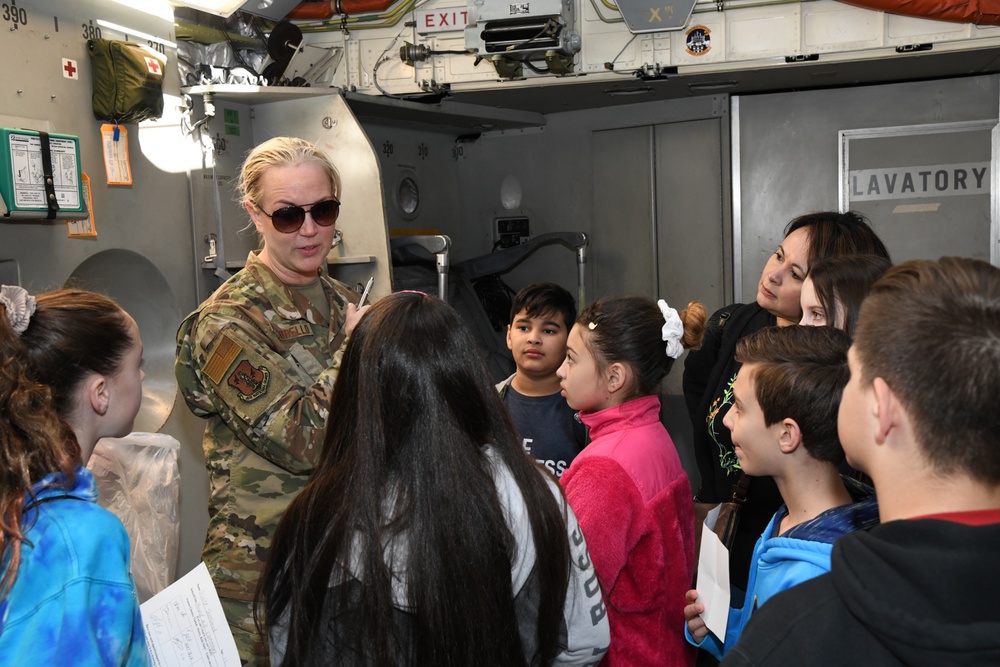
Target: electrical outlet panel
511, 232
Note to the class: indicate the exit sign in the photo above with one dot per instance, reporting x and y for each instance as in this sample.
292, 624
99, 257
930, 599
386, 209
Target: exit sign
441, 20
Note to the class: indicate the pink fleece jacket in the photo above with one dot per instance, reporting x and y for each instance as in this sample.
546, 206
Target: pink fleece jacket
633, 501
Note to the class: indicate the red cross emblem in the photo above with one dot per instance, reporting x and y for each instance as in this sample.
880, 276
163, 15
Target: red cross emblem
70, 70
153, 65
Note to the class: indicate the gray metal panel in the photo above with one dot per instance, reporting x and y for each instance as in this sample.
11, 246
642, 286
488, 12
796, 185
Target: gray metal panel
272, 9
622, 249
150, 218
690, 218
961, 225
690, 212
789, 147
575, 93
995, 198
445, 115
691, 240
327, 121
554, 169
215, 210
736, 246
429, 158
642, 16
135, 283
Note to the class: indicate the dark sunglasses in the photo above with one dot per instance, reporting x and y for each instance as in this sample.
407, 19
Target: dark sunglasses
288, 219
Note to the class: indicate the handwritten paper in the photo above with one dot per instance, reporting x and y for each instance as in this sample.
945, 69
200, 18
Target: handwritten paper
185, 625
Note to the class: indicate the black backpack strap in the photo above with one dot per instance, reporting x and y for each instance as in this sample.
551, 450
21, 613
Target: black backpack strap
720, 324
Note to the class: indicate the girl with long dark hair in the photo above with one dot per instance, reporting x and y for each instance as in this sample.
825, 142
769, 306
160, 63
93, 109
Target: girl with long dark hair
426, 536
835, 288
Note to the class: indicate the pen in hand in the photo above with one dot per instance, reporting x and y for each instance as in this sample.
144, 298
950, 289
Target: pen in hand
368, 288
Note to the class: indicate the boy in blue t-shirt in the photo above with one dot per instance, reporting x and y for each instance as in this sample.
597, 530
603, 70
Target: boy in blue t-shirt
540, 319
784, 425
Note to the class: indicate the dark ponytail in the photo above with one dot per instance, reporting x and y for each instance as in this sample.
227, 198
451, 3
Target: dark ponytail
628, 329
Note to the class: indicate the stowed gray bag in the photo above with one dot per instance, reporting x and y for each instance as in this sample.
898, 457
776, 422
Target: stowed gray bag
128, 81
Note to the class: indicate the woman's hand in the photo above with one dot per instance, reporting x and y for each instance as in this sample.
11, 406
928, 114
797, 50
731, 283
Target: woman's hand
354, 315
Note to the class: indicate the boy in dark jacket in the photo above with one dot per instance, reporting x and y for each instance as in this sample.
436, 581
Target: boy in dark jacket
540, 319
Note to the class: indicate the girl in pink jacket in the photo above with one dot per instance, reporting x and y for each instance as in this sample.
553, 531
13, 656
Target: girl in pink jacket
627, 488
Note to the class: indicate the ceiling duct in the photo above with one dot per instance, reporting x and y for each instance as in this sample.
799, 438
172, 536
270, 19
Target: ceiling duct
513, 35
978, 12
271, 9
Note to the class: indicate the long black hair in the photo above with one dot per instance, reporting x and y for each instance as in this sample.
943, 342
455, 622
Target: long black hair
404, 462
842, 283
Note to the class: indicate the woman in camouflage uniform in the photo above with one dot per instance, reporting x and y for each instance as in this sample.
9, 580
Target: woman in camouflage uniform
258, 359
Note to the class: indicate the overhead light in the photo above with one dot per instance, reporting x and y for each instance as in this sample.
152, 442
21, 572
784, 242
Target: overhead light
219, 7
136, 33
272, 9
158, 8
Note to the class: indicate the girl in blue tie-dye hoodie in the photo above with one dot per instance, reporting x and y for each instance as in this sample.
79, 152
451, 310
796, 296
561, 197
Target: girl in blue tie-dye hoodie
70, 374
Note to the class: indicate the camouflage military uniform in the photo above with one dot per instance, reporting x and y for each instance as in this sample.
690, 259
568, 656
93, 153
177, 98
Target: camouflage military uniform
259, 363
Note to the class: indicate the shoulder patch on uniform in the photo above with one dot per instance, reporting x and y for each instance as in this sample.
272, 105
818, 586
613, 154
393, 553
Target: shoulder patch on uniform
221, 358
249, 381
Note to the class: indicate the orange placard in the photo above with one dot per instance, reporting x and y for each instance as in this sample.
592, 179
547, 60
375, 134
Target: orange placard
86, 226
114, 140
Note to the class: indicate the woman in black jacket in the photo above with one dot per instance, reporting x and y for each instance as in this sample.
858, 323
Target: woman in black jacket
709, 372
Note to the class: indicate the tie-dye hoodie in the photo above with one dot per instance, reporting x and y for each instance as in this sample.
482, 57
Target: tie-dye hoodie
74, 601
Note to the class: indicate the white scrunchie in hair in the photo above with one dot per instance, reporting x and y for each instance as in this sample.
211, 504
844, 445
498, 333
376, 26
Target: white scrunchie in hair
673, 330
20, 307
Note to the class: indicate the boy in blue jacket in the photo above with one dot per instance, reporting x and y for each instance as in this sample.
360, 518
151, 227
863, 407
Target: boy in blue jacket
784, 425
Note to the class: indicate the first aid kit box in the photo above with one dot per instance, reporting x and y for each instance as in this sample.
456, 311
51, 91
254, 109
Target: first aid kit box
24, 184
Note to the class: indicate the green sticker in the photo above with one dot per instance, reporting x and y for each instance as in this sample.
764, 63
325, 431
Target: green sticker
231, 115
232, 130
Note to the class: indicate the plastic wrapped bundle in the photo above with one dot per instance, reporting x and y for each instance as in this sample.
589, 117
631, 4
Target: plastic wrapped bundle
139, 481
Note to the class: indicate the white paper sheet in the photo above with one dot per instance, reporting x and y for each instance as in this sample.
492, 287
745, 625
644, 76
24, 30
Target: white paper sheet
713, 577
185, 625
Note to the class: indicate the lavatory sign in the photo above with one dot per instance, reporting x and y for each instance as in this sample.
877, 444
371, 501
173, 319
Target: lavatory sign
943, 180
925, 189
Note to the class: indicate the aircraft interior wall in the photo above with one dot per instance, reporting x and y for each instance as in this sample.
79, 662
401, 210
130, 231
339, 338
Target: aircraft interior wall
788, 160
147, 223
776, 157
